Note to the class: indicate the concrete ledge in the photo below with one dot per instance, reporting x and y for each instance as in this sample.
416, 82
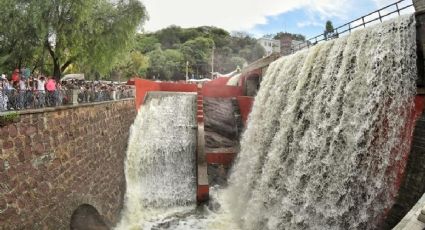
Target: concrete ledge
412, 219
58, 108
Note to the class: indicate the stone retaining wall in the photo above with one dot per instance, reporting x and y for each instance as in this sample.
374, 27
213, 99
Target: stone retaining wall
54, 160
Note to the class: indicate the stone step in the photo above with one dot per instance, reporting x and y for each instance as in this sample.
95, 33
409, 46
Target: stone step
220, 158
200, 118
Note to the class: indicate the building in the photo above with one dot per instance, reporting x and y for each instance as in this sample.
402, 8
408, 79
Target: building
289, 45
270, 45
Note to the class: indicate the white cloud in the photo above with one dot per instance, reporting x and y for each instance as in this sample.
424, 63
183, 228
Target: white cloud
233, 14
383, 3
309, 23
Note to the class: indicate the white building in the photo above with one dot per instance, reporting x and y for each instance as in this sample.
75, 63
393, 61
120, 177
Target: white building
270, 45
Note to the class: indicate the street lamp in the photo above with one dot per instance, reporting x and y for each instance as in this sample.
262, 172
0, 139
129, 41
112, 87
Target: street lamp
187, 70
212, 62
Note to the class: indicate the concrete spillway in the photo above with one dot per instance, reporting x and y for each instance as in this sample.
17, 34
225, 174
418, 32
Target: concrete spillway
160, 164
324, 145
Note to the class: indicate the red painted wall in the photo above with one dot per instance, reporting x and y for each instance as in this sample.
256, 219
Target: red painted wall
142, 87
415, 113
218, 81
220, 158
245, 106
177, 87
223, 91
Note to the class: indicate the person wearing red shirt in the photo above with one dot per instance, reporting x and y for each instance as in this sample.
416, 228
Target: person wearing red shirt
15, 76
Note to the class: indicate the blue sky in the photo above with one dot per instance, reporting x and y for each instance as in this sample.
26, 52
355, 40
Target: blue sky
310, 23
259, 17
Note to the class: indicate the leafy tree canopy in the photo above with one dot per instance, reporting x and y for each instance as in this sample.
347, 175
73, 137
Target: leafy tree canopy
90, 34
298, 37
174, 46
329, 28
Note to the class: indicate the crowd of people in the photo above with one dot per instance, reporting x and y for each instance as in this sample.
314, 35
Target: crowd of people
24, 91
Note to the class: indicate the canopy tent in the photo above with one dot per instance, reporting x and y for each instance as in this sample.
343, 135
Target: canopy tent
75, 76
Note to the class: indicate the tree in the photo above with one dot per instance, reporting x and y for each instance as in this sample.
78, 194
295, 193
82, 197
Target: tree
146, 43
329, 30
195, 44
19, 38
329, 27
92, 34
165, 64
280, 35
198, 52
134, 64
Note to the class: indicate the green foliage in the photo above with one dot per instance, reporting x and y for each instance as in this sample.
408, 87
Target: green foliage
133, 64
197, 50
329, 31
329, 28
18, 33
8, 118
280, 35
92, 34
146, 44
166, 64
169, 49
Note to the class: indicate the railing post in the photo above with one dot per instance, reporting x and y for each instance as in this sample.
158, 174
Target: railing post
398, 9
74, 97
420, 40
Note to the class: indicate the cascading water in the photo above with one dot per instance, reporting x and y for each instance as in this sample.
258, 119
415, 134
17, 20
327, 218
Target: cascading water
160, 163
325, 134
321, 150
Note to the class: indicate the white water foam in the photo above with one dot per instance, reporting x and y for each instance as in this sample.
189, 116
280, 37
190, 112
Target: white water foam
320, 149
324, 137
160, 163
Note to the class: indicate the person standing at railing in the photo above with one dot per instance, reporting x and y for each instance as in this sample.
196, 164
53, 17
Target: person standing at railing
15, 76
51, 89
41, 90
59, 94
22, 93
3, 95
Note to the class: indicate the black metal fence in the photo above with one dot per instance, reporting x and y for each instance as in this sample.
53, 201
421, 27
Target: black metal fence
363, 21
13, 99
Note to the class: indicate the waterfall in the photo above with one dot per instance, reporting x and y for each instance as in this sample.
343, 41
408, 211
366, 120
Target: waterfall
325, 134
323, 148
160, 162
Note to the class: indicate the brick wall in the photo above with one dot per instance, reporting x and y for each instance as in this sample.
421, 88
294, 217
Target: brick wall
53, 161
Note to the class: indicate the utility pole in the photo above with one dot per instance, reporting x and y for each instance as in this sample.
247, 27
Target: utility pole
187, 70
212, 62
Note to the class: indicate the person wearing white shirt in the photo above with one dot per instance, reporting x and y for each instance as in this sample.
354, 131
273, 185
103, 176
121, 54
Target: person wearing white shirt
22, 93
41, 91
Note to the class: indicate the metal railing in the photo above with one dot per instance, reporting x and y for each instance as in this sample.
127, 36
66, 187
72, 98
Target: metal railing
380, 14
13, 100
